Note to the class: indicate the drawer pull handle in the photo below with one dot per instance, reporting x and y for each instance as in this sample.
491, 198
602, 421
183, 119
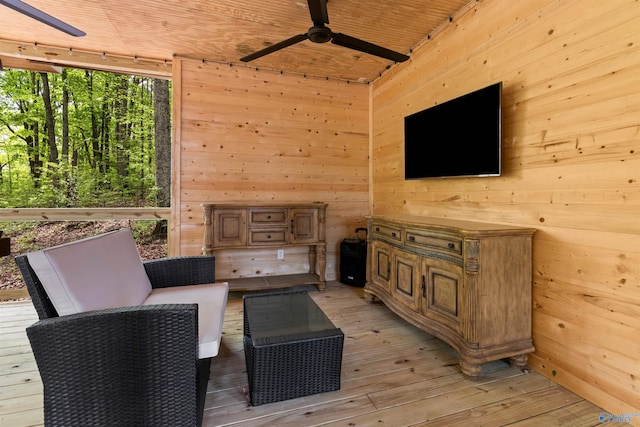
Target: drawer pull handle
451, 245
412, 238
393, 234
378, 229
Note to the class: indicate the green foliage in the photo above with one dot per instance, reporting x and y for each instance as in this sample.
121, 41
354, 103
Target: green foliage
102, 152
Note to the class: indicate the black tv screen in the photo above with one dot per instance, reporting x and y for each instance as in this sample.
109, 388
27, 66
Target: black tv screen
458, 138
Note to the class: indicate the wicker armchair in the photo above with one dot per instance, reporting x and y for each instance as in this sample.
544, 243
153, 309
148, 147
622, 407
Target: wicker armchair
130, 366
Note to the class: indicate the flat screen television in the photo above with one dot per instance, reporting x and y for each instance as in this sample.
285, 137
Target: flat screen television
458, 138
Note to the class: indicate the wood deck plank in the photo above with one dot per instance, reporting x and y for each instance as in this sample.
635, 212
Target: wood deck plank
392, 374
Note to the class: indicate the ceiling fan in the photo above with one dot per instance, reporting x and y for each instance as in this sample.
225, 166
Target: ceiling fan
39, 15
319, 33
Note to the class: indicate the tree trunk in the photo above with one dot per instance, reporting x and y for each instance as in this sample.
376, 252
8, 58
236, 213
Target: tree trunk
33, 151
49, 121
104, 132
68, 170
162, 119
51, 133
95, 159
33, 138
121, 129
65, 118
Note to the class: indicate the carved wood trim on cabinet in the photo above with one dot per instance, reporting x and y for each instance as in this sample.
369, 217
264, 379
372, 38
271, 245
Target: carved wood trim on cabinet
467, 283
263, 225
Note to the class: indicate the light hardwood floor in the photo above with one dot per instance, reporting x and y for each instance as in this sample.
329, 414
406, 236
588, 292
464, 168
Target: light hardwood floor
393, 374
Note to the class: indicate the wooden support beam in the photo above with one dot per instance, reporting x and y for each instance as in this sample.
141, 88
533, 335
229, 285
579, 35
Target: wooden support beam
32, 55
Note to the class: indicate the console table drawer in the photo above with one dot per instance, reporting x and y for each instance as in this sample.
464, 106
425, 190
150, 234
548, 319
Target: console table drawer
268, 237
386, 231
441, 243
267, 217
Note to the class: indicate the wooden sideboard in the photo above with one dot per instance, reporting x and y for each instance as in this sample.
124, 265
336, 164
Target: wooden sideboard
268, 225
467, 283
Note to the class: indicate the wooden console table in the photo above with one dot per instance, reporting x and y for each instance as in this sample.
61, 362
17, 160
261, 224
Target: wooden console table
266, 225
467, 283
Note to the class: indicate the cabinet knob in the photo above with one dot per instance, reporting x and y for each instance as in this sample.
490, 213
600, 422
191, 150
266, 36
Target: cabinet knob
268, 236
393, 234
268, 216
412, 238
378, 229
451, 245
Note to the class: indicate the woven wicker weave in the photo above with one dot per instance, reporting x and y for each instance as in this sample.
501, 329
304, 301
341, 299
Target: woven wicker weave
289, 366
131, 366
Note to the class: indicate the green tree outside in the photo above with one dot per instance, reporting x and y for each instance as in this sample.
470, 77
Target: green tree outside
82, 138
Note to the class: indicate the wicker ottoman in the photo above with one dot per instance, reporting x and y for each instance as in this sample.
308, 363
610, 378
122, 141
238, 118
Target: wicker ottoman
291, 348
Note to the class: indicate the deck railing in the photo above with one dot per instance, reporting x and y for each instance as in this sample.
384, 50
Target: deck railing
82, 214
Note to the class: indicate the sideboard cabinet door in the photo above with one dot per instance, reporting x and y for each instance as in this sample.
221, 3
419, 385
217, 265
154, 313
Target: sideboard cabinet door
443, 292
304, 225
405, 278
381, 265
230, 227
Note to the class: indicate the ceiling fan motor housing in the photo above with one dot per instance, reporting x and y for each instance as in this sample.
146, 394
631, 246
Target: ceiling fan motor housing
319, 34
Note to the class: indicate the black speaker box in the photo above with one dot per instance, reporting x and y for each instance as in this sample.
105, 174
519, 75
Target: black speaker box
353, 261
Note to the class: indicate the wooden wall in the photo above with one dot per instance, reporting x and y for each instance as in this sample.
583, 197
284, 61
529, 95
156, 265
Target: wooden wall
255, 136
571, 73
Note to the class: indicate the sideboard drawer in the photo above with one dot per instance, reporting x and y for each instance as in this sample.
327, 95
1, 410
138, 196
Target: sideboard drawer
386, 231
267, 217
442, 243
276, 236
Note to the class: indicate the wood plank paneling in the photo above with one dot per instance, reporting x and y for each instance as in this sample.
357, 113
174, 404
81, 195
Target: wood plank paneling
254, 136
571, 110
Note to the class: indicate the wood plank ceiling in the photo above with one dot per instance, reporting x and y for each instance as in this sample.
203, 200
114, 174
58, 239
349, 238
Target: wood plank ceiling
145, 35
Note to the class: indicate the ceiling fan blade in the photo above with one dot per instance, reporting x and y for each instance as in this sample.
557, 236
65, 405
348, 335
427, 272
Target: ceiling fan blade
32, 12
366, 47
274, 47
318, 11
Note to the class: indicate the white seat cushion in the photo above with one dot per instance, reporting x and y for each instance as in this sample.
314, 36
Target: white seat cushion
212, 301
95, 273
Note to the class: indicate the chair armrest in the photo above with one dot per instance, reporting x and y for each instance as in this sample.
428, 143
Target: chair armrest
123, 366
43, 305
180, 271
